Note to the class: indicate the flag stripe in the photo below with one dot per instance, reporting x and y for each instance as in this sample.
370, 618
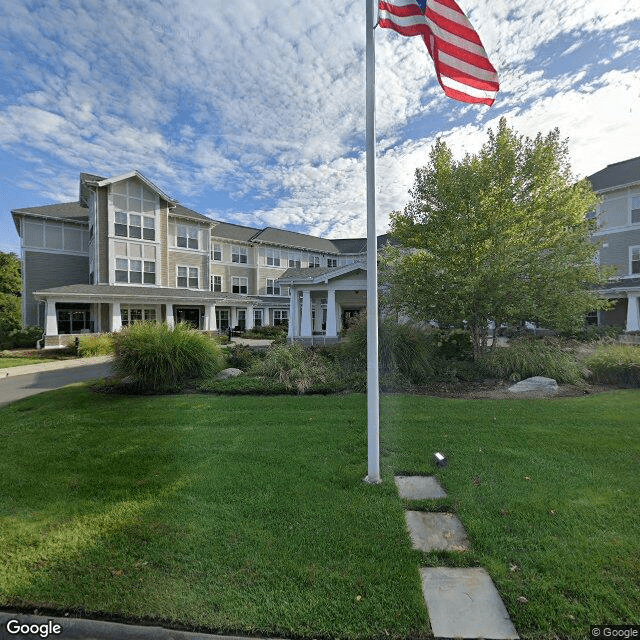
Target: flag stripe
461, 62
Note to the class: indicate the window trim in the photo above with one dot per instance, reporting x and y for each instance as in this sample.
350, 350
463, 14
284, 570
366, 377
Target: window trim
191, 237
146, 267
273, 287
216, 248
212, 283
635, 210
636, 261
189, 277
242, 283
238, 253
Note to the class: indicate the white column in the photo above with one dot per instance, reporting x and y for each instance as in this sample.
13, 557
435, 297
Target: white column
293, 312
332, 331
317, 323
210, 317
633, 314
51, 328
170, 320
305, 320
249, 324
233, 317
116, 318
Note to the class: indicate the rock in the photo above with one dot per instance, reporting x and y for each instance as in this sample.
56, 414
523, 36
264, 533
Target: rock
538, 385
229, 373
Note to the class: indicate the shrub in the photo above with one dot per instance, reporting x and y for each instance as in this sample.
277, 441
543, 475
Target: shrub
21, 338
529, 357
615, 364
157, 358
267, 332
294, 366
241, 356
455, 344
101, 345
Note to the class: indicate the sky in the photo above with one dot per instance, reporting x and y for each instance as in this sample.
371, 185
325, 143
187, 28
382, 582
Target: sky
253, 112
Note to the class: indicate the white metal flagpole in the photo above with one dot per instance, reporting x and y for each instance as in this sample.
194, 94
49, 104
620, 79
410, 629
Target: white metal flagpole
373, 393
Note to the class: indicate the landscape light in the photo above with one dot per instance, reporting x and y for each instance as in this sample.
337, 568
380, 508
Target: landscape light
440, 460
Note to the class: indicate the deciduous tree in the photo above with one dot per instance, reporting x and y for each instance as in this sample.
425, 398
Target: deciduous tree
500, 236
10, 292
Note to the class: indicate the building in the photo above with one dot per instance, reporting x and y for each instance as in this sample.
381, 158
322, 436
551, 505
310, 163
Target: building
618, 215
126, 251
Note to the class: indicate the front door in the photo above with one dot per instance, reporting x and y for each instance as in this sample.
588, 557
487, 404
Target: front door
189, 315
222, 319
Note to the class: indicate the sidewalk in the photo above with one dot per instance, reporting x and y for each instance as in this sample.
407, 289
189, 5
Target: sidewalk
69, 628
52, 366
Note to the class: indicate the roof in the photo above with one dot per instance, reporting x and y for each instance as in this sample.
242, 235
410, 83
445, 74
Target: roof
615, 175
295, 240
148, 293
319, 274
359, 245
231, 231
72, 211
135, 174
184, 212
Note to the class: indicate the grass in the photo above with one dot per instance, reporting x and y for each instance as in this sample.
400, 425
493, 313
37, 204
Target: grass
17, 362
249, 514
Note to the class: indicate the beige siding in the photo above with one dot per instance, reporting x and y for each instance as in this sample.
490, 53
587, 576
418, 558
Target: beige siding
186, 259
103, 236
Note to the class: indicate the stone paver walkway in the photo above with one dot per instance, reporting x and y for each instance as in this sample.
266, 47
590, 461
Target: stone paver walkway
462, 602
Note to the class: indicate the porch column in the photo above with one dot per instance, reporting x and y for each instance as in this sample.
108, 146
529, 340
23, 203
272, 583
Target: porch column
293, 313
233, 317
305, 320
116, 318
249, 318
210, 317
317, 323
169, 311
51, 327
332, 330
633, 314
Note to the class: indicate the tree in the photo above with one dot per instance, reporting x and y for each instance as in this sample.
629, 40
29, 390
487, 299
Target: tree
501, 236
10, 292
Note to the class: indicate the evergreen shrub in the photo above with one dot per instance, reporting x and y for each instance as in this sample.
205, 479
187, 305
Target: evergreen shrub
615, 364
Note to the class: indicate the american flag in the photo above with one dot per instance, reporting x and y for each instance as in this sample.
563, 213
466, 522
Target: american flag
462, 66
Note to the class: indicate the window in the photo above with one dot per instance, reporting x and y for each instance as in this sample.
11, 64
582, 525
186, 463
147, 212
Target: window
257, 317
294, 261
314, 261
216, 283
239, 255
135, 271
130, 225
635, 260
239, 285
635, 209
332, 262
130, 315
188, 277
216, 252
186, 237
280, 316
273, 288
273, 257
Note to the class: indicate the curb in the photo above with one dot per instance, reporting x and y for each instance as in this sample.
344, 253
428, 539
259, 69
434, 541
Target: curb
52, 366
68, 628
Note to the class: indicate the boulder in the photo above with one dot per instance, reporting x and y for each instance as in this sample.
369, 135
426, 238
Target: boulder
231, 372
538, 385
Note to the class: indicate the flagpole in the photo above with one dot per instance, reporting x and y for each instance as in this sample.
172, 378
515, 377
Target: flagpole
373, 393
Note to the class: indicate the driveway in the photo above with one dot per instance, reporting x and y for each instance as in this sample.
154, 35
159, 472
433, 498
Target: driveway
27, 380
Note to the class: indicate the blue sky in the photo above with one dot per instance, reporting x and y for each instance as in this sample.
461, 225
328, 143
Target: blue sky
253, 112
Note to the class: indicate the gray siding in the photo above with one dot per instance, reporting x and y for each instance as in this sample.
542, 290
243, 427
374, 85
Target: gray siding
617, 251
45, 270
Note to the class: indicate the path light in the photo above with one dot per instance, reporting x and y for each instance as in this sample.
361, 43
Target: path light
440, 460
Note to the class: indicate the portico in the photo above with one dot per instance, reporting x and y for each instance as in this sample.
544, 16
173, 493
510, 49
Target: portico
322, 299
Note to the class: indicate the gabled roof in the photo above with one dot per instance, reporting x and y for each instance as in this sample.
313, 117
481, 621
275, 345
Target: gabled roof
132, 174
183, 212
72, 211
271, 235
230, 231
315, 275
616, 175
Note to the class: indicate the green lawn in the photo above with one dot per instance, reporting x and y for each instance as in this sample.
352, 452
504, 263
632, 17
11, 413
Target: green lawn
249, 514
16, 362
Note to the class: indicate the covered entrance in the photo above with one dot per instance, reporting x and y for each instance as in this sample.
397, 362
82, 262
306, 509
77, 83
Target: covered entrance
74, 318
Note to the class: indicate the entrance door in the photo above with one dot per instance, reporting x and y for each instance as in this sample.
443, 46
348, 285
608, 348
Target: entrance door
189, 315
222, 319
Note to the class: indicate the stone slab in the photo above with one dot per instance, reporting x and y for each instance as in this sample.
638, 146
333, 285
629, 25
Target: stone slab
419, 488
464, 603
436, 531
536, 385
